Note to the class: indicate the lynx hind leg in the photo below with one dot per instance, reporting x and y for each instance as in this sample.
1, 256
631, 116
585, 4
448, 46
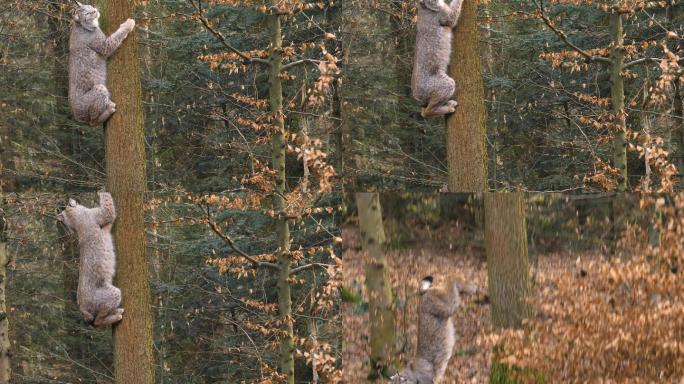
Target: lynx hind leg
440, 103
443, 109
110, 318
108, 112
108, 298
100, 106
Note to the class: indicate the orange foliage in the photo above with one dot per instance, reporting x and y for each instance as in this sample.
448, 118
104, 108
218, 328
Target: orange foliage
612, 320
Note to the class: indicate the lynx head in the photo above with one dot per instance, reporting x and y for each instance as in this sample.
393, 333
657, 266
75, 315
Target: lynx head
425, 284
87, 16
432, 5
76, 217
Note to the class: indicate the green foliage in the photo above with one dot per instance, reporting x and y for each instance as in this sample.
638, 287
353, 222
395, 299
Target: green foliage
506, 374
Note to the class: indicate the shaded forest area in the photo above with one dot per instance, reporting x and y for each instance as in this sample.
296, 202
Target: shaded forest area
231, 159
604, 286
213, 315
579, 96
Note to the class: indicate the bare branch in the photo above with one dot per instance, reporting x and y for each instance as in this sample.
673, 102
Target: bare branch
299, 62
639, 61
309, 266
549, 23
255, 263
222, 39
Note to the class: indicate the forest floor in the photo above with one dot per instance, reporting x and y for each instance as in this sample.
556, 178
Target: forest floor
471, 360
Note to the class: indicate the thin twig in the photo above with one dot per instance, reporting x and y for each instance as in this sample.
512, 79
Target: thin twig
223, 40
255, 263
549, 23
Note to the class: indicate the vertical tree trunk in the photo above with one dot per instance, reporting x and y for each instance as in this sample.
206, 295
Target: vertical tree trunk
5, 367
617, 92
282, 227
678, 137
466, 128
377, 282
507, 261
126, 181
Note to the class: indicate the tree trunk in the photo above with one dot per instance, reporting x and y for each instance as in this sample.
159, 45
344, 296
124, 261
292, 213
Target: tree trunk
377, 282
617, 92
507, 261
282, 227
466, 128
126, 181
5, 367
678, 137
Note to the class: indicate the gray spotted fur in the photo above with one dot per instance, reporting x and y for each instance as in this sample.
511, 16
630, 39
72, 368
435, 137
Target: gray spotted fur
89, 50
436, 335
430, 84
98, 299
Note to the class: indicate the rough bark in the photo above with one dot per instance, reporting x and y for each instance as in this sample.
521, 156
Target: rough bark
617, 92
507, 260
5, 367
126, 181
282, 227
377, 282
465, 133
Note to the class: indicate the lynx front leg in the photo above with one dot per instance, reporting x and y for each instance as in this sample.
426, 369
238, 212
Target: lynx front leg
105, 213
107, 46
449, 15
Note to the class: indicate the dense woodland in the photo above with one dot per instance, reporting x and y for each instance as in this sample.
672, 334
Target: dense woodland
244, 129
547, 94
223, 145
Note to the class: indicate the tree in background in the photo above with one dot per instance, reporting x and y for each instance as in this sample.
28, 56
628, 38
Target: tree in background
507, 260
287, 127
126, 181
508, 266
621, 60
378, 287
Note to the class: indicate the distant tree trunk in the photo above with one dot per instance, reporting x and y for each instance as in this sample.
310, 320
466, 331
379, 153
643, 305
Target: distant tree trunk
282, 226
507, 261
126, 181
466, 128
679, 131
617, 92
377, 282
5, 367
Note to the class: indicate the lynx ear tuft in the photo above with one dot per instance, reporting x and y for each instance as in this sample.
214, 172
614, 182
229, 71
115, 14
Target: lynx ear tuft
425, 284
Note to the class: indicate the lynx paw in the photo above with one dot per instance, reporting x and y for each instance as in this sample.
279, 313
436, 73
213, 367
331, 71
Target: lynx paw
452, 105
128, 24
